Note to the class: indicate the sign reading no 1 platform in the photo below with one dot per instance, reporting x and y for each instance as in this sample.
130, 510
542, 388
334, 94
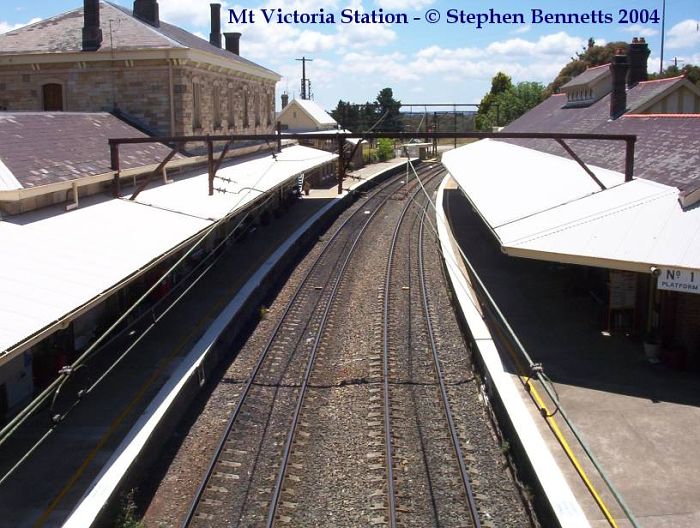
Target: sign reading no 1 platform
679, 280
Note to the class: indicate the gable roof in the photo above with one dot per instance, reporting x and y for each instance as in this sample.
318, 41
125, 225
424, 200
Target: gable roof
122, 32
667, 149
39, 148
317, 114
590, 76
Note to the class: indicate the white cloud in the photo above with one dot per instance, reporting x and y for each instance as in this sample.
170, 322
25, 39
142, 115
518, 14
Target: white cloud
640, 31
556, 44
189, 12
523, 29
404, 5
684, 34
6, 26
394, 66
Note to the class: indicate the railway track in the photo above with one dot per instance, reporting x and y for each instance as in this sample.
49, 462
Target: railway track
415, 392
269, 405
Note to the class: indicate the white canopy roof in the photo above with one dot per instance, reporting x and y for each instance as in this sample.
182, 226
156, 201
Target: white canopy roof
248, 180
55, 263
546, 207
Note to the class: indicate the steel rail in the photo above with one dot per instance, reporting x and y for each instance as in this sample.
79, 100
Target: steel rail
263, 356
277, 491
464, 473
389, 448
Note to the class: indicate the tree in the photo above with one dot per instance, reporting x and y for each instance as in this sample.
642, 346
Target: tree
386, 104
689, 71
362, 117
591, 55
505, 103
385, 149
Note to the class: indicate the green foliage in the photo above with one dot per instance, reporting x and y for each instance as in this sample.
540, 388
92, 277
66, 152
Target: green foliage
500, 83
591, 55
391, 108
128, 517
385, 149
505, 102
689, 71
361, 117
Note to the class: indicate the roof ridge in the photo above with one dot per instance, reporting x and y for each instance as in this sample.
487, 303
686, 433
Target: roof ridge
662, 80
599, 66
130, 13
691, 116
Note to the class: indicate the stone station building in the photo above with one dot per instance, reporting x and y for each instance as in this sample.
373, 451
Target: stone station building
103, 57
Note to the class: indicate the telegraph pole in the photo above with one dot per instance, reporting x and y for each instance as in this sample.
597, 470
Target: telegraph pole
305, 83
663, 36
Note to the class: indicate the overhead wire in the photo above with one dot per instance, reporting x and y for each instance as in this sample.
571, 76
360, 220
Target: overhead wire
54, 388
539, 375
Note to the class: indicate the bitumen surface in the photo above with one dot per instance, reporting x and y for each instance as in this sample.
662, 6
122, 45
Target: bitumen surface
46, 487
640, 420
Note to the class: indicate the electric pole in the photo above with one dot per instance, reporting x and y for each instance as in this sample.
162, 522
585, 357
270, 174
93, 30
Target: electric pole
305, 83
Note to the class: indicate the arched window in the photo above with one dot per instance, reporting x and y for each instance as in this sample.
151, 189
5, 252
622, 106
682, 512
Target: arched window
52, 95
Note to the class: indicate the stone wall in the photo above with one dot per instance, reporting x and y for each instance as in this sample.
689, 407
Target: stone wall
141, 90
235, 92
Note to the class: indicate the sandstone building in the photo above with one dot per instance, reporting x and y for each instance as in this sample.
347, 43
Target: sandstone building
104, 57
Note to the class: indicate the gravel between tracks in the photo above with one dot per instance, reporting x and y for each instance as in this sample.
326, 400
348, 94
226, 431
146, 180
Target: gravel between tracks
336, 455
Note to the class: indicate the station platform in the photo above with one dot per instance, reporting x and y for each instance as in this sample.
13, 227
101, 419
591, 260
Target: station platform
640, 420
80, 467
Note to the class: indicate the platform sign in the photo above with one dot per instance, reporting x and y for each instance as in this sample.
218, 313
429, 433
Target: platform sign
687, 281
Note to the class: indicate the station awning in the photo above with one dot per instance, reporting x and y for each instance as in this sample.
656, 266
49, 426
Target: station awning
56, 265
546, 207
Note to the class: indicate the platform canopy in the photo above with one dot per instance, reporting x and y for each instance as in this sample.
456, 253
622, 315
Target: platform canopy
546, 207
57, 265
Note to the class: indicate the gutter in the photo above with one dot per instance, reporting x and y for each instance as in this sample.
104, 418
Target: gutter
16, 195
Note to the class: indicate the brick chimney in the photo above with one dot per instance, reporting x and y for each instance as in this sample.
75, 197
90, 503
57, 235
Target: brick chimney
233, 42
215, 35
147, 10
92, 33
618, 97
285, 100
639, 54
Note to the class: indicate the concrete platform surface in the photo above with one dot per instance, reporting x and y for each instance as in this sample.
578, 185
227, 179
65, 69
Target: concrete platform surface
641, 421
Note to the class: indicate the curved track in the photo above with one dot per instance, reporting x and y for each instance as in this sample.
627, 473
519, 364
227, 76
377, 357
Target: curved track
285, 355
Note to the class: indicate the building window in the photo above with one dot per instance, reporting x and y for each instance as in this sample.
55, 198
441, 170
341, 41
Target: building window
231, 109
256, 103
216, 107
52, 97
196, 106
246, 122
270, 106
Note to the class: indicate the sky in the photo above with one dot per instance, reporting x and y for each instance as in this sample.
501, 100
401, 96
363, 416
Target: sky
422, 62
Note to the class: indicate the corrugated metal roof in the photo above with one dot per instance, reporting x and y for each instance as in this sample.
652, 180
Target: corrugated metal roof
56, 262
541, 208
263, 173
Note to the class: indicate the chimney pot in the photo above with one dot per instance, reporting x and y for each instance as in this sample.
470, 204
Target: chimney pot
92, 33
233, 42
639, 55
147, 10
215, 35
618, 97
